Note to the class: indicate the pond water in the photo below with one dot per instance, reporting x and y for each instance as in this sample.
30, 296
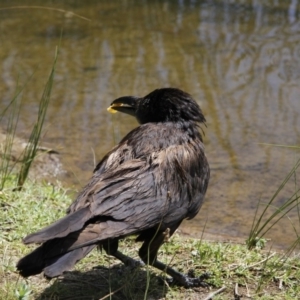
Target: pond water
239, 59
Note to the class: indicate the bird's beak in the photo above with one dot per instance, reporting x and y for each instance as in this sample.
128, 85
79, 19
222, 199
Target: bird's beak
113, 108
126, 105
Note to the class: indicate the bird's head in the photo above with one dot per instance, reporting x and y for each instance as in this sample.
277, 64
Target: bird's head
161, 105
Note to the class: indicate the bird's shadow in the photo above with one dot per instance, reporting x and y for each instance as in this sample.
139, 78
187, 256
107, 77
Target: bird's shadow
117, 282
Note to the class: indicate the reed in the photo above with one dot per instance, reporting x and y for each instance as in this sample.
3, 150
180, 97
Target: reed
6, 148
32, 145
262, 224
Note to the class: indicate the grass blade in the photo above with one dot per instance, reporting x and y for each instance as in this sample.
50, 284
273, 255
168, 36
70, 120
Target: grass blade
31, 148
258, 229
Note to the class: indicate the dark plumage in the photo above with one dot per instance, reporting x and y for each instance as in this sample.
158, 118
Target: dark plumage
146, 185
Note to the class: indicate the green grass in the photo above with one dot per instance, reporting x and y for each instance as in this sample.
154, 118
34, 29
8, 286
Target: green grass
262, 224
12, 111
257, 273
32, 145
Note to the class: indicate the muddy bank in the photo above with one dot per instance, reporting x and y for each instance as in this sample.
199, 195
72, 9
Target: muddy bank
46, 165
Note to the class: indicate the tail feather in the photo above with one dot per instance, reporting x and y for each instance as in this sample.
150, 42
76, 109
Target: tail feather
59, 254
70, 223
66, 261
48, 258
33, 263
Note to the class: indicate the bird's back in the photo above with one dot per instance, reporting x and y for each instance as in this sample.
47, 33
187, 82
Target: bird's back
157, 162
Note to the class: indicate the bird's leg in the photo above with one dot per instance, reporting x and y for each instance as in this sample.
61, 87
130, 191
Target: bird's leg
181, 278
148, 254
111, 248
128, 261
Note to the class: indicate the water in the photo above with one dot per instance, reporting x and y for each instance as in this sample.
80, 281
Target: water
239, 59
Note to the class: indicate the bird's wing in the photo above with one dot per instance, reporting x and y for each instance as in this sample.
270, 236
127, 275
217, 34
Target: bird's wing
142, 194
137, 195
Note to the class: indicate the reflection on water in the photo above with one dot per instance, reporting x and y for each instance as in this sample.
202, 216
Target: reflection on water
239, 59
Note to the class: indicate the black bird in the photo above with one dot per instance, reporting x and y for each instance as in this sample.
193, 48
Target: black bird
145, 186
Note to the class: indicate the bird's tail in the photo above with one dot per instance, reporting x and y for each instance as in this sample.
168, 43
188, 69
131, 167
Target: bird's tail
42, 259
54, 256
60, 254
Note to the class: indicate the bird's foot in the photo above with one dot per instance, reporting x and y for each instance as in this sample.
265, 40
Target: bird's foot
134, 263
190, 281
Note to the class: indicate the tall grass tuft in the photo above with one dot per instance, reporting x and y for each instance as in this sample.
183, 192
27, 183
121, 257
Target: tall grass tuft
31, 148
6, 150
260, 226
